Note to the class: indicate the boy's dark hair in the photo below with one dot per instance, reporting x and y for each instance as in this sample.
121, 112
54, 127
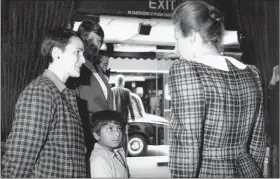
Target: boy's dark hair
56, 38
102, 118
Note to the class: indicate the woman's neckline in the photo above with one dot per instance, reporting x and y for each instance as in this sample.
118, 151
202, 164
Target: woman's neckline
219, 62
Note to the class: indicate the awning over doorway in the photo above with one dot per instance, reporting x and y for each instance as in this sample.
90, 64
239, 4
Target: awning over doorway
135, 65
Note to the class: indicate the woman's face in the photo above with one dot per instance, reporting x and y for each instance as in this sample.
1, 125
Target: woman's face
71, 59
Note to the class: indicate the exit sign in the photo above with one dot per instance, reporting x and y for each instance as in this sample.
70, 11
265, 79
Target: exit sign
143, 8
150, 9
164, 5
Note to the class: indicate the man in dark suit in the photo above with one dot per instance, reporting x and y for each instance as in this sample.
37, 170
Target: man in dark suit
92, 89
123, 105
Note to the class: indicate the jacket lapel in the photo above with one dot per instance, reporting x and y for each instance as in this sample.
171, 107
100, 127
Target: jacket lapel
93, 70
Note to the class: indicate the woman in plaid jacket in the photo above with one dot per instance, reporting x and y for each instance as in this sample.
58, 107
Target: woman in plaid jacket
217, 121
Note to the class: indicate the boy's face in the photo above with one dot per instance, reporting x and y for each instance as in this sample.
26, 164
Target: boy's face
110, 135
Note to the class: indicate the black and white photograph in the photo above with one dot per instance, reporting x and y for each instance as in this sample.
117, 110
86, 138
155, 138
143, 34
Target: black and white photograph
140, 88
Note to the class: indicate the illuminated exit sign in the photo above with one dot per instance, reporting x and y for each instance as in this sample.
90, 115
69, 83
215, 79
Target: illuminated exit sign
168, 5
143, 8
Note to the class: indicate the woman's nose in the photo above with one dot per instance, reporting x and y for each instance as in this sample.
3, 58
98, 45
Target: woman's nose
82, 59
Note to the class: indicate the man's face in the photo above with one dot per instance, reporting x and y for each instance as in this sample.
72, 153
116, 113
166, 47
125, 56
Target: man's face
104, 61
92, 45
72, 58
110, 135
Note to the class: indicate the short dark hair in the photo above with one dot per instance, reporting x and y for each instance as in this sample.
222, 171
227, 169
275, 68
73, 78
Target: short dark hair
88, 26
102, 118
56, 38
200, 17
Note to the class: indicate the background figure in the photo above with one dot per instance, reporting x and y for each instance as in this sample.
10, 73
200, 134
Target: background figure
273, 122
123, 105
217, 121
47, 127
153, 103
92, 88
159, 106
146, 103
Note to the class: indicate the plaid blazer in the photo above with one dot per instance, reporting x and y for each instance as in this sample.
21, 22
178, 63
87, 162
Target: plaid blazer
217, 121
47, 137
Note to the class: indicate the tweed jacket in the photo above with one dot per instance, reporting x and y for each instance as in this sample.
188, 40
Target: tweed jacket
217, 121
47, 136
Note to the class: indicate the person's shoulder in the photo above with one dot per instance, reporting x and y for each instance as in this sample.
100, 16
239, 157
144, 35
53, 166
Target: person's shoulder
180, 62
236, 63
254, 69
182, 66
99, 154
98, 151
256, 72
126, 90
98, 162
41, 87
183, 63
101, 166
41, 83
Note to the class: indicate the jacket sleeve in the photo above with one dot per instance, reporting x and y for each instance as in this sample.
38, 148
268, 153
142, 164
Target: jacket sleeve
187, 116
29, 131
257, 146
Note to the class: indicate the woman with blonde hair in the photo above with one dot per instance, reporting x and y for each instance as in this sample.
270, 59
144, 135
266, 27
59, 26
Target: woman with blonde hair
217, 121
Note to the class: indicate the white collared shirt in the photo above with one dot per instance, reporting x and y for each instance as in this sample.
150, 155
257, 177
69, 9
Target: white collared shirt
106, 164
102, 84
89, 65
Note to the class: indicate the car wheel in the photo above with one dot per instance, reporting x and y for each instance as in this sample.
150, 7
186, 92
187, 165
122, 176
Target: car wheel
137, 145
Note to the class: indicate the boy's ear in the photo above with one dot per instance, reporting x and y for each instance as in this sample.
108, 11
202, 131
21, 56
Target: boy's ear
96, 136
